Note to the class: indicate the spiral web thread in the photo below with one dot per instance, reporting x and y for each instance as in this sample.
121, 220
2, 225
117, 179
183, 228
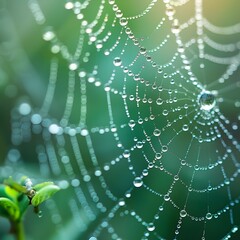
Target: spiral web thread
124, 126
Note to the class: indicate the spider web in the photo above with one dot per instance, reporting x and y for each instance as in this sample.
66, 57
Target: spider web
133, 108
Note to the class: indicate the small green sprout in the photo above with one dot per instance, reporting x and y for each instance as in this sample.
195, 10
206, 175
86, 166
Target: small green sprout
16, 197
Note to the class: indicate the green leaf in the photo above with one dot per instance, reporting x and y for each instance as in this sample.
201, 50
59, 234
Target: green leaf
8, 192
23, 203
18, 187
9, 209
43, 194
39, 186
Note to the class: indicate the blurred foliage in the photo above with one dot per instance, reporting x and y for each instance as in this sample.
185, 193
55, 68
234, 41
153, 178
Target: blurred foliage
24, 77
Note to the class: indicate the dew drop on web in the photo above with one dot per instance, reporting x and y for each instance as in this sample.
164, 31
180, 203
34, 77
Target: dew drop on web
137, 182
207, 101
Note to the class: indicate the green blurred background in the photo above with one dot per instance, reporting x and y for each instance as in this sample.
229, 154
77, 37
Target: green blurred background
24, 78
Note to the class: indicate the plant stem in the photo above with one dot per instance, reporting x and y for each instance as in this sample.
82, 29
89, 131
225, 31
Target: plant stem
18, 230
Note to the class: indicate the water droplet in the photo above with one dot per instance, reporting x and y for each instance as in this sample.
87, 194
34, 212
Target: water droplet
99, 44
150, 227
156, 132
73, 66
181, 49
209, 188
143, 50
106, 52
234, 126
207, 101
69, 5
165, 112
164, 148
84, 132
75, 182
111, 2
226, 182
123, 22
86, 178
140, 121
119, 13
128, 194
117, 62
196, 167
175, 27
131, 123
146, 234
136, 77
64, 184
115, 7
237, 104
159, 101
24, 108
40, 214
183, 162
121, 202
126, 154
88, 30
98, 173
139, 144
137, 182
170, 11
145, 172
160, 208
55, 48
234, 229
14, 155
208, 216
176, 177
183, 213
158, 156
185, 127
54, 129
48, 35
166, 197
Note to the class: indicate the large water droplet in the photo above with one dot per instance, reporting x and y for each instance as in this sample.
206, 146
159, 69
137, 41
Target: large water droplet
145, 172
234, 229
183, 213
207, 101
119, 13
175, 27
156, 132
73, 66
84, 132
143, 50
123, 22
185, 127
137, 182
161, 208
99, 44
208, 216
48, 35
69, 5
170, 11
117, 62
121, 202
139, 144
166, 197
164, 148
126, 154
150, 227
159, 101
24, 108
